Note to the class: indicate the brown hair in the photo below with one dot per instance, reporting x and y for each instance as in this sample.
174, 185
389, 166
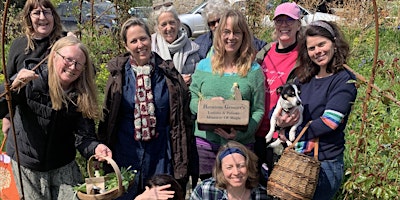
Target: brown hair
307, 68
55, 34
164, 179
251, 164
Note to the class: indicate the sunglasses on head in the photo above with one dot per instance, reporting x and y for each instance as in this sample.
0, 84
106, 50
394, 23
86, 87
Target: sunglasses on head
166, 4
212, 23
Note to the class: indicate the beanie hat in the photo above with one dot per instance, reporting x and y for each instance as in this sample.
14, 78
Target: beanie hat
289, 9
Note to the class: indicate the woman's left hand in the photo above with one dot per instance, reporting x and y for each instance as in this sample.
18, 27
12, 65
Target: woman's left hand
102, 150
187, 78
229, 136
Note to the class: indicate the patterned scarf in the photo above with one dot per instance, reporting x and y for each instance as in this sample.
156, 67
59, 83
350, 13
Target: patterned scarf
144, 116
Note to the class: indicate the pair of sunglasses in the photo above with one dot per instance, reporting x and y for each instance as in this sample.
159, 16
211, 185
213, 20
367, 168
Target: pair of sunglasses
212, 23
166, 4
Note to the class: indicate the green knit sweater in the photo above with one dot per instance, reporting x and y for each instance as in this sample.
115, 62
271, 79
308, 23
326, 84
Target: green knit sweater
206, 84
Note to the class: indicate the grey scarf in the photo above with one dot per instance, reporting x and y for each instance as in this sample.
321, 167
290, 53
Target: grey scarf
175, 49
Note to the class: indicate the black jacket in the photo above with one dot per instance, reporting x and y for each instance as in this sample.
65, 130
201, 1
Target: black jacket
47, 139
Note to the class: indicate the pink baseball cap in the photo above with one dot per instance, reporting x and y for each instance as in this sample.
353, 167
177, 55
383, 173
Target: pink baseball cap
289, 9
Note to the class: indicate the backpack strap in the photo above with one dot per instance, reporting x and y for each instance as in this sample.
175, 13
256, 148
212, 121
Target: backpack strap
263, 52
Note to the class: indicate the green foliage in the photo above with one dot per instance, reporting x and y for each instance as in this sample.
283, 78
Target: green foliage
127, 176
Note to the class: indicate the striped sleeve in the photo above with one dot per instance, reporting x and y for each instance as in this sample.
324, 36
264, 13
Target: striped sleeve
332, 118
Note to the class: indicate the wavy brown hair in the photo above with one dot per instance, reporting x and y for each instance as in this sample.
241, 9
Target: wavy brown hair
306, 67
246, 53
251, 164
55, 34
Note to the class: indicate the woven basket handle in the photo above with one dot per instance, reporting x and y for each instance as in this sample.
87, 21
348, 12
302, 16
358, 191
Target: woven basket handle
114, 166
301, 134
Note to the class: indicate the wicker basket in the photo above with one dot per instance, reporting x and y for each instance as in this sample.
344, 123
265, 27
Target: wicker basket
295, 176
110, 194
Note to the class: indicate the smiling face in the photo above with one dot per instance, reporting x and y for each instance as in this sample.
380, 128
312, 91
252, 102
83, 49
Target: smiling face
138, 43
235, 170
68, 64
232, 37
320, 50
168, 26
42, 21
213, 22
286, 29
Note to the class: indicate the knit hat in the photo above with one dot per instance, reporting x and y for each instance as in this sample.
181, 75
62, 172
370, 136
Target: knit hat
289, 9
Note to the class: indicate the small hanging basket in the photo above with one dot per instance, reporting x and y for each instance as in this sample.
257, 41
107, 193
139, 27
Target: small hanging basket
110, 194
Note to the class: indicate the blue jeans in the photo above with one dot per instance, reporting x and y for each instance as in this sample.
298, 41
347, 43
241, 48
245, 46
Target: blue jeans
330, 178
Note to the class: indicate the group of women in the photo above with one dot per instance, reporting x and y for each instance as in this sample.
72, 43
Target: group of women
152, 94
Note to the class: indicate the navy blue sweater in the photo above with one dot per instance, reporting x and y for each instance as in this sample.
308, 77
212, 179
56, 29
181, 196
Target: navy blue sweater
327, 102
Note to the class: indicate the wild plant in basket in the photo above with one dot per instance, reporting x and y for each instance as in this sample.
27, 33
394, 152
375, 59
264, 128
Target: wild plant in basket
111, 181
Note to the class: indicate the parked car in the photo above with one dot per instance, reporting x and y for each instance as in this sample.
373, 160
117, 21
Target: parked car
141, 12
193, 22
308, 17
104, 15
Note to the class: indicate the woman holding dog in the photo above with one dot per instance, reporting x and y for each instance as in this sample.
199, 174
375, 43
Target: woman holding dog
328, 92
277, 59
232, 62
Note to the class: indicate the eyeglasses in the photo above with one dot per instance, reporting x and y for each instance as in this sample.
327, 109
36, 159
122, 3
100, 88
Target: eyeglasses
79, 66
46, 13
213, 23
288, 21
166, 4
227, 33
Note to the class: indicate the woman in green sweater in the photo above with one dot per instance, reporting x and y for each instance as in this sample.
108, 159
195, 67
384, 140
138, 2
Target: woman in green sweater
214, 77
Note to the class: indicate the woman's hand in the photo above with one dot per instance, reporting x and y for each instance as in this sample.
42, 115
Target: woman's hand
187, 78
217, 98
229, 136
6, 125
156, 193
102, 150
287, 119
23, 77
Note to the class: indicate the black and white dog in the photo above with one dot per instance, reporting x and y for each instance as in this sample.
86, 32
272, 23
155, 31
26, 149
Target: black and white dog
288, 102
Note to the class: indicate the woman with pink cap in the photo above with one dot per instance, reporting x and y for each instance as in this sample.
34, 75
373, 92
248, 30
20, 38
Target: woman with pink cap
277, 59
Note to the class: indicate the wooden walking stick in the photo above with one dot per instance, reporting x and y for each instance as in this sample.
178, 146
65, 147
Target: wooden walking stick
17, 87
8, 96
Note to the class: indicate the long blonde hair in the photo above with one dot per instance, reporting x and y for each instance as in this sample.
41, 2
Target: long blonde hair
246, 53
85, 85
